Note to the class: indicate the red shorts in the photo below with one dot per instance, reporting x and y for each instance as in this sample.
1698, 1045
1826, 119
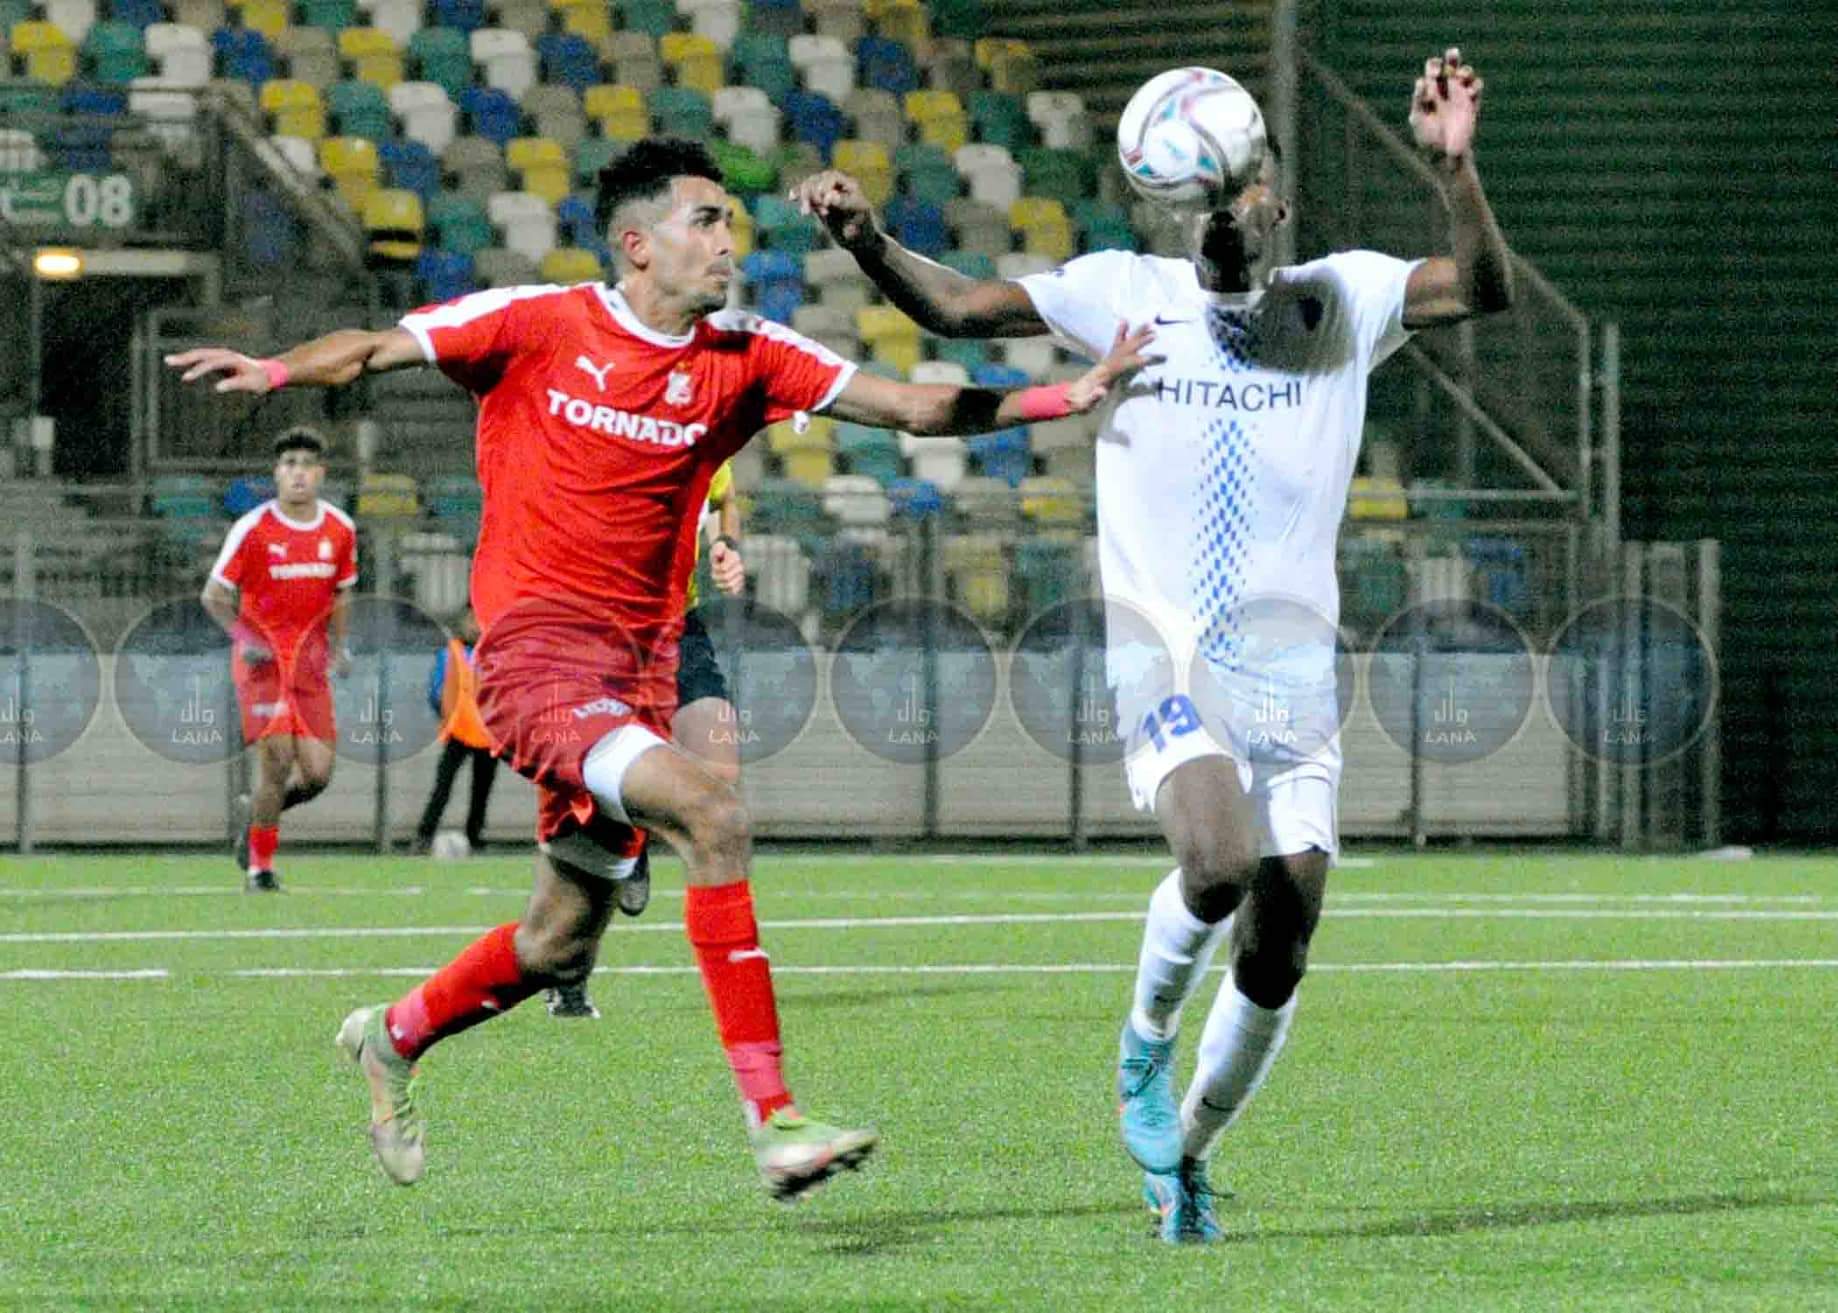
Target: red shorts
551, 686
277, 698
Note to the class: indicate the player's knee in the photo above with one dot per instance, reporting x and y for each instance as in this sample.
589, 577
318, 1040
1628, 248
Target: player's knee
550, 955
719, 826
1267, 967
1216, 869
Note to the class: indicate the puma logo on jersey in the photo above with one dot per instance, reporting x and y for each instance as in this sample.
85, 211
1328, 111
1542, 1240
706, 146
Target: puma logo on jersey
278, 549
599, 372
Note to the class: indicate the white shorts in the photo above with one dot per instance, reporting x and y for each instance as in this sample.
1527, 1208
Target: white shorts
1296, 802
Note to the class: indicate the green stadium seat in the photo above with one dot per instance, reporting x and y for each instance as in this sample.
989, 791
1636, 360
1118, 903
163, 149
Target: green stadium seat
332, 15
1001, 120
594, 154
442, 56
745, 171
1062, 175
360, 109
116, 52
683, 112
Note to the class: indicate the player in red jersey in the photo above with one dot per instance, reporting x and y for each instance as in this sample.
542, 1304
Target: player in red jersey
281, 588
603, 413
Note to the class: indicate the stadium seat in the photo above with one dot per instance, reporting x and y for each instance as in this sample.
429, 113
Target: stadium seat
906, 23
393, 222
461, 15
298, 154
718, 20
505, 58
50, 55
442, 56
569, 60
444, 275
948, 65
1014, 70
919, 226
294, 108
775, 280
890, 335
569, 264
870, 452
116, 52
476, 167
19, 151
351, 164
1034, 357
1000, 119
309, 56
462, 224
141, 13
527, 223
773, 18
387, 496
683, 112
965, 19
73, 18
491, 112
527, 18
332, 16
1060, 119
976, 571
814, 119
877, 116
434, 122
991, 173
652, 17
1051, 503
885, 64
869, 162
914, 499
360, 109
400, 19
410, 166
1003, 455
981, 229
842, 19
780, 224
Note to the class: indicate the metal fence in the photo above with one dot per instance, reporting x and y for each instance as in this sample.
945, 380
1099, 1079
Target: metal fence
922, 678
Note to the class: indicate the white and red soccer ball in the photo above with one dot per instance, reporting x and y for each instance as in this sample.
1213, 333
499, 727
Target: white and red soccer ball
1190, 138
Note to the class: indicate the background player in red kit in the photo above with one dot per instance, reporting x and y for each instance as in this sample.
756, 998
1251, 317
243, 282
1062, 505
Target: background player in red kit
603, 414
281, 588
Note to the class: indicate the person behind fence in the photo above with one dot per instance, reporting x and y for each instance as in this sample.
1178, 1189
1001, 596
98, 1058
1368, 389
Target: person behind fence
281, 588
1222, 478
453, 694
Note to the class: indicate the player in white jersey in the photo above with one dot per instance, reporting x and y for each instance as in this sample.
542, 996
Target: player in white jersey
1222, 476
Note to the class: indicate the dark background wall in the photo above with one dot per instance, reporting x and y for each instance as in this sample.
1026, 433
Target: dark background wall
1674, 167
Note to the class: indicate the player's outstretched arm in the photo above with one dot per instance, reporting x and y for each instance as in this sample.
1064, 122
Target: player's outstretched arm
944, 408
1445, 110
938, 299
329, 361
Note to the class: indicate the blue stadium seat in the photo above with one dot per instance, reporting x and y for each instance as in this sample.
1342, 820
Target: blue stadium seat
576, 215
243, 54
411, 166
244, 495
100, 101
814, 118
915, 498
569, 60
444, 274
777, 280
270, 232
494, 115
919, 226
999, 376
1004, 454
80, 147
141, 13
462, 14
886, 65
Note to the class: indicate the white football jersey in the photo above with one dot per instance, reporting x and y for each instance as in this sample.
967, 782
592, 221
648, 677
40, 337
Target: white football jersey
1222, 470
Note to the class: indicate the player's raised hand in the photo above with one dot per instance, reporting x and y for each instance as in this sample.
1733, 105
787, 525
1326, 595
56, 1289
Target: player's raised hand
727, 569
1445, 106
1125, 358
240, 373
838, 200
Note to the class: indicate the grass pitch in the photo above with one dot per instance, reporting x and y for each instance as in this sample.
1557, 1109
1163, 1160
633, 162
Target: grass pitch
1516, 1082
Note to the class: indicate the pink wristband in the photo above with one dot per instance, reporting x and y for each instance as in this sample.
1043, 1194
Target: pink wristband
277, 373
1045, 402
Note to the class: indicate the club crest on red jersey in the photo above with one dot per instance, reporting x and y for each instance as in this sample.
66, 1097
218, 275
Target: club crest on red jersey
679, 389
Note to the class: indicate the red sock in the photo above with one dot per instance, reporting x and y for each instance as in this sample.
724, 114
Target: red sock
721, 928
481, 982
263, 840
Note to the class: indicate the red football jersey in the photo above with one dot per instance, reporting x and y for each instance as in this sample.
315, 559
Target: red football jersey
597, 437
288, 574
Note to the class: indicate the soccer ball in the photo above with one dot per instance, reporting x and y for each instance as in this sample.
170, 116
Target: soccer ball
1190, 137
451, 846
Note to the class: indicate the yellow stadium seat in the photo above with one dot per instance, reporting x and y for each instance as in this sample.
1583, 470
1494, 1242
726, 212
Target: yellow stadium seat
549, 181
54, 66
1052, 502
534, 152
589, 21
394, 219
819, 434
339, 156
740, 230
355, 189
1033, 211
269, 17
923, 105
701, 72
978, 573
610, 99
675, 47
569, 265
869, 163
306, 122
905, 23
1015, 73
388, 496
875, 8
1052, 240
948, 134
356, 42
285, 93
989, 48
627, 125
1377, 499
382, 70
811, 468
35, 34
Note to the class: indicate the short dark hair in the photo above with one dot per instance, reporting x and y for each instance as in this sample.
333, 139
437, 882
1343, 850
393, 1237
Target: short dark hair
644, 173
299, 438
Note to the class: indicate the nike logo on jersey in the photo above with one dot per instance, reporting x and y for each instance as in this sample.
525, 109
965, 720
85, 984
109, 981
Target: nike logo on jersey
598, 372
747, 955
1165, 320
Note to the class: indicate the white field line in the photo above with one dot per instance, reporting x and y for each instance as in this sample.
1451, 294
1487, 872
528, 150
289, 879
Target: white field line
989, 969
908, 922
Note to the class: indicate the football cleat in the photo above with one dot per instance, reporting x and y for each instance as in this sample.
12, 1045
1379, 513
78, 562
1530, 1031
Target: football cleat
572, 1001
634, 892
261, 882
796, 1155
1184, 1202
1146, 1111
396, 1126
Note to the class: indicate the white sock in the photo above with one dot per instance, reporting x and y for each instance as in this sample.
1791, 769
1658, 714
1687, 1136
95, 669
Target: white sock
1237, 1050
1177, 947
